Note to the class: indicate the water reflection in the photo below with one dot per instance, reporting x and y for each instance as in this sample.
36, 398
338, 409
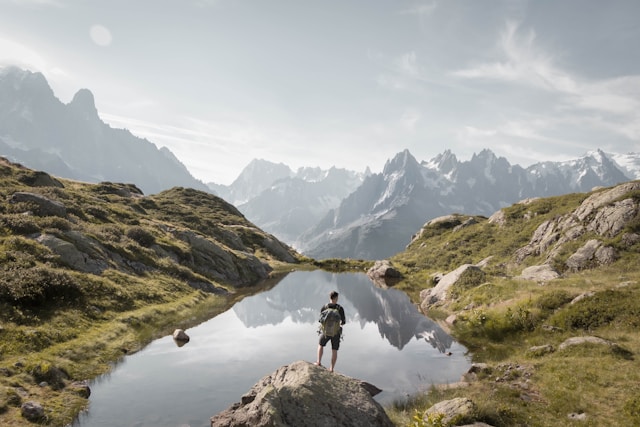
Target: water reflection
397, 319
387, 343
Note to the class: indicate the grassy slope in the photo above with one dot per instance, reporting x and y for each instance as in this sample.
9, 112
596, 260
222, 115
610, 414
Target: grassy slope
500, 318
60, 326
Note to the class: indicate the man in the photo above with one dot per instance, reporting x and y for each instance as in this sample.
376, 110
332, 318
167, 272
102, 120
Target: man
335, 339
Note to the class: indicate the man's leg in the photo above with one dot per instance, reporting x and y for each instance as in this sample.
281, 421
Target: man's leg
334, 357
320, 351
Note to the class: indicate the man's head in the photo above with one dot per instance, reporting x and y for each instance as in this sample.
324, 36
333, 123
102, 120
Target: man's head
333, 296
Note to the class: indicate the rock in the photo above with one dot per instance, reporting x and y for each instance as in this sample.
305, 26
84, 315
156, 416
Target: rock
74, 257
584, 340
539, 273
54, 377
80, 388
582, 296
498, 218
540, 350
32, 411
604, 213
451, 410
577, 416
302, 394
46, 207
592, 253
451, 319
603, 198
180, 335
383, 274
438, 293
39, 179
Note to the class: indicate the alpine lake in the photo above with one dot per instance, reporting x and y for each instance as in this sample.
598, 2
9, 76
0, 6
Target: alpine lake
386, 342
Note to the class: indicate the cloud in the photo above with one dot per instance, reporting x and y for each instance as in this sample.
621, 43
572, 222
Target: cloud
13, 53
610, 104
37, 3
423, 9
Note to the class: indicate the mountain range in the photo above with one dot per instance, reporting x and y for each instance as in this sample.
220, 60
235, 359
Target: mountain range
334, 213
378, 217
71, 141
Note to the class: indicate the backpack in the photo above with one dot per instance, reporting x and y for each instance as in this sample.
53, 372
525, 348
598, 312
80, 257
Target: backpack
330, 321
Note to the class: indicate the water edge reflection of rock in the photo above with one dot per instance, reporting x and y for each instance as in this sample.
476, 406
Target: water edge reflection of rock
397, 319
388, 343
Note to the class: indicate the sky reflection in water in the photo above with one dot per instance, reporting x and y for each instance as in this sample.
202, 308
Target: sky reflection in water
387, 342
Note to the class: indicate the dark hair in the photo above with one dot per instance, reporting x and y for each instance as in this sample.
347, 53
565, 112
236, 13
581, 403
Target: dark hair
333, 295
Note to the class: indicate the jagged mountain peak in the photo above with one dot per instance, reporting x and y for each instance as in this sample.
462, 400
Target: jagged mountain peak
24, 86
444, 162
485, 156
84, 102
404, 160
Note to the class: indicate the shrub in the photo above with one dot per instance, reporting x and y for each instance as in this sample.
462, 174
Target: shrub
38, 286
632, 409
141, 236
553, 300
604, 308
20, 224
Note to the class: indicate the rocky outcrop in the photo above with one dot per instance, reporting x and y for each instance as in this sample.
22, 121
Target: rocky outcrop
302, 394
76, 253
32, 411
447, 412
605, 213
592, 253
439, 293
213, 260
383, 274
573, 341
539, 273
44, 206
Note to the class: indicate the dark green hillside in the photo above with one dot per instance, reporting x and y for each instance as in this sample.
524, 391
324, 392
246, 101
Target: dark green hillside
89, 272
553, 311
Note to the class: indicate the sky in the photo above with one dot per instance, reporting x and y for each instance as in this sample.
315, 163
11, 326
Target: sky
345, 83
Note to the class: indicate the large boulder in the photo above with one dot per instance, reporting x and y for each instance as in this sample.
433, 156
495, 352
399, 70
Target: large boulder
383, 274
450, 411
302, 394
439, 293
45, 206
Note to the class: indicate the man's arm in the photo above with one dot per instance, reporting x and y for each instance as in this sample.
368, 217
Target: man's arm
344, 318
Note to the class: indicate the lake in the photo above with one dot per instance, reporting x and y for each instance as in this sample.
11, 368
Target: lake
387, 342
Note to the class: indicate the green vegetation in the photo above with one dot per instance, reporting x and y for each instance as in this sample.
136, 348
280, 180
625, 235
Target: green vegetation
516, 326
81, 289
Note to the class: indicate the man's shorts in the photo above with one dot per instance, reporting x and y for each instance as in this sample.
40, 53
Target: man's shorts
335, 341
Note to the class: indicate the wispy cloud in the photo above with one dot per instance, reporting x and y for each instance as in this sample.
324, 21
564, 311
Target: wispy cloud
14, 53
38, 3
420, 9
610, 104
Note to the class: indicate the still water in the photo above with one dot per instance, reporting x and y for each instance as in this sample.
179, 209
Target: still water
387, 342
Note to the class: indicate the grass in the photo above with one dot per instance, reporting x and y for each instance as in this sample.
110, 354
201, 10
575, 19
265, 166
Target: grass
500, 318
130, 275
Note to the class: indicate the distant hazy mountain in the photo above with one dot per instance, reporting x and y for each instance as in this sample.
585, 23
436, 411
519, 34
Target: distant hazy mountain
71, 141
286, 203
378, 219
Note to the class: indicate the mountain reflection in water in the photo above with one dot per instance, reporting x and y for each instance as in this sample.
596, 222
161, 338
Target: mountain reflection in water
387, 342
397, 319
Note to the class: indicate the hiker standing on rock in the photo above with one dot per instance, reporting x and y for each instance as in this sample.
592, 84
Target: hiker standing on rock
331, 320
